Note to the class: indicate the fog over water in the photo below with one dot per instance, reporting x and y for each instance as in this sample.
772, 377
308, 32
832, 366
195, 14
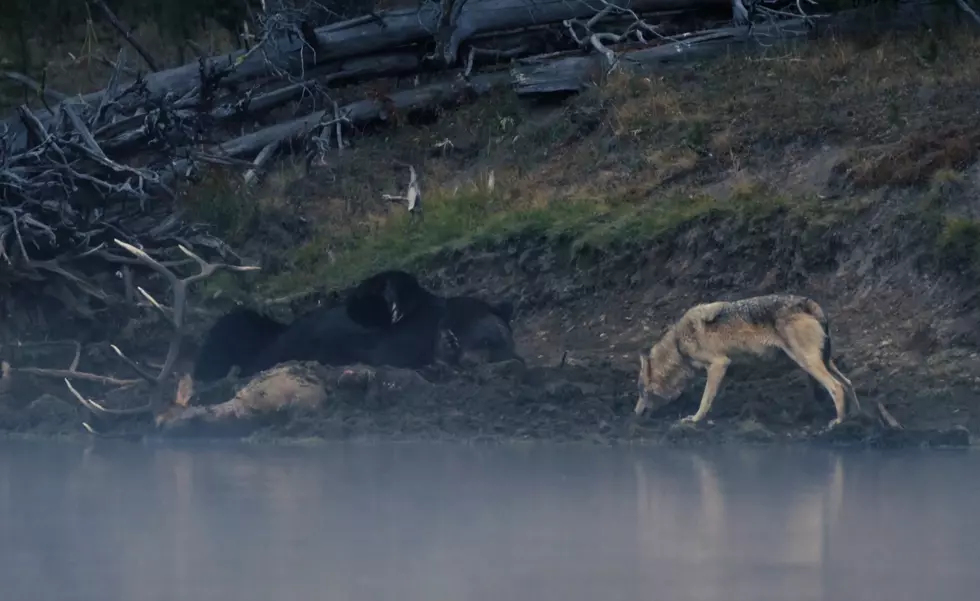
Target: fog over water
404, 522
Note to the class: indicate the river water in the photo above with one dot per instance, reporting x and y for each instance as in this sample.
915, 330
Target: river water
400, 522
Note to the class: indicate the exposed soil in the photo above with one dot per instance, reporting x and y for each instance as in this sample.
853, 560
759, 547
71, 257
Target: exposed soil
904, 330
817, 187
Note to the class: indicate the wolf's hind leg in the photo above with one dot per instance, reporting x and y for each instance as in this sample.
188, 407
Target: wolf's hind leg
818, 393
852, 396
812, 363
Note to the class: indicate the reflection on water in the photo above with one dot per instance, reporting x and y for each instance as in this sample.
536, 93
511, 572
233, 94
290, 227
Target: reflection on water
120, 522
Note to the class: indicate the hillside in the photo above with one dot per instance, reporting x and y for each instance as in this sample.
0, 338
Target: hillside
845, 170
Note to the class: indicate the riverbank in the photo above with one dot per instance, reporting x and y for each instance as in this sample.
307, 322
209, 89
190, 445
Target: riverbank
845, 171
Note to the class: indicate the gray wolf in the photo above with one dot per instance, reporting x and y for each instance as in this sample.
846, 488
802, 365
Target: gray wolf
709, 335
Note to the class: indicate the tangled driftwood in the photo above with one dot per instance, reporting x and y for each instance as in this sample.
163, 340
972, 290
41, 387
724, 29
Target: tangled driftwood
83, 178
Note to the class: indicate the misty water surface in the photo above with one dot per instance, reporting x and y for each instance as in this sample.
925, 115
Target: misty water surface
131, 522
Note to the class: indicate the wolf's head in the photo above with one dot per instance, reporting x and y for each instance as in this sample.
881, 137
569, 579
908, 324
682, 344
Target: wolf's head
663, 375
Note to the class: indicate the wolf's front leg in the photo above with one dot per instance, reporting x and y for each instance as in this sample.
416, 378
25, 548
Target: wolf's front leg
716, 373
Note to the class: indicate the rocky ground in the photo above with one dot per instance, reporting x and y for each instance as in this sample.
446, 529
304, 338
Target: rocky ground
847, 173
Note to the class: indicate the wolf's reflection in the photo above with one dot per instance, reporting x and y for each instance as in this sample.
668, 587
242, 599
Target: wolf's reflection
692, 509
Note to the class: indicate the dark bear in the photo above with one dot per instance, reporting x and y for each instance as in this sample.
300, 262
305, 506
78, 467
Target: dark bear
473, 330
386, 298
388, 319
394, 301
326, 335
235, 339
460, 328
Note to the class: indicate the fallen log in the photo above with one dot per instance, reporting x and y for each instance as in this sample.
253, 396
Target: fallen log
535, 75
547, 75
358, 37
125, 135
362, 112
128, 134
79, 159
473, 18
576, 73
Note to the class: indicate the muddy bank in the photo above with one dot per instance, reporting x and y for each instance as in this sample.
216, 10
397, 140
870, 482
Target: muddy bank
691, 193
899, 287
902, 299
497, 403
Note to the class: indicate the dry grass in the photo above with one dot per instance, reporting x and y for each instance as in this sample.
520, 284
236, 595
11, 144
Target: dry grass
624, 156
621, 157
836, 92
79, 66
916, 157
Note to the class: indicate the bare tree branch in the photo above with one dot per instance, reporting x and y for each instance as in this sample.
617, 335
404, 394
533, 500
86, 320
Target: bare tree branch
965, 7
101, 169
39, 89
114, 21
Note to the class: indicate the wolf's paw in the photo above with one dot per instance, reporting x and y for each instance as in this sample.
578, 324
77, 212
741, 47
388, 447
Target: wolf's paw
689, 420
831, 425
834, 423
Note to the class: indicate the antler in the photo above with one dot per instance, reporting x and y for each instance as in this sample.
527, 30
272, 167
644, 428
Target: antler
71, 372
176, 314
6, 374
179, 309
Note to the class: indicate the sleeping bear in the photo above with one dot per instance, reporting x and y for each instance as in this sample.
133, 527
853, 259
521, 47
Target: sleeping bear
475, 331
388, 319
234, 340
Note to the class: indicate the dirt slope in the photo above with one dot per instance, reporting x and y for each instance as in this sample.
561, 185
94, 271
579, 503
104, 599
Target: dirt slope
846, 172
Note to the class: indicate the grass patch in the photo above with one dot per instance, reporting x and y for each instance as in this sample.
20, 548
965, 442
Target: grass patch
826, 91
959, 243
632, 159
223, 203
478, 218
470, 217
